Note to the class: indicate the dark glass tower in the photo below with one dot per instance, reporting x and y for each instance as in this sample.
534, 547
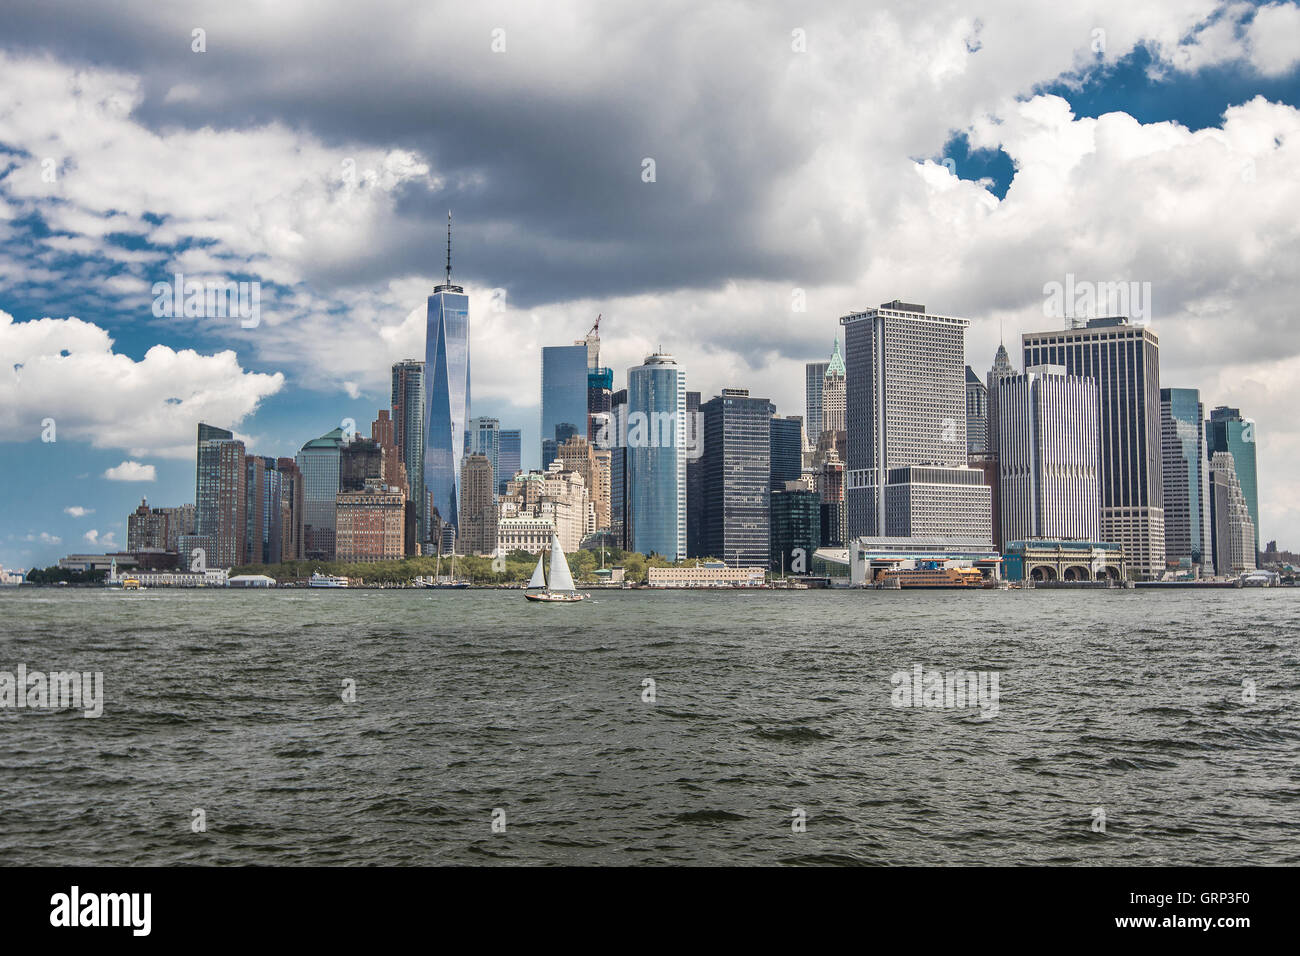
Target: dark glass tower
737, 475
1124, 359
564, 397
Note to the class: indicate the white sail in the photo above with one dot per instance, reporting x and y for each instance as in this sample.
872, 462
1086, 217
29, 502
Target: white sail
561, 579
539, 576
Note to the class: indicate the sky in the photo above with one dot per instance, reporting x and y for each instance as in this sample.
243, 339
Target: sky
719, 179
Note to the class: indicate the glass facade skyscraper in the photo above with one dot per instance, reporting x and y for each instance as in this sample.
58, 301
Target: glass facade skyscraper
786, 451
509, 451
656, 457
564, 396
447, 361
1186, 477
1228, 431
319, 462
483, 437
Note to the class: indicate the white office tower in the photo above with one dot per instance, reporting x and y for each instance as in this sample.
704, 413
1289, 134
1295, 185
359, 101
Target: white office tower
1234, 531
1048, 462
906, 406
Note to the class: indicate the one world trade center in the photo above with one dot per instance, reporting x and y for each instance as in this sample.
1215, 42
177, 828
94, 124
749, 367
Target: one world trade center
447, 365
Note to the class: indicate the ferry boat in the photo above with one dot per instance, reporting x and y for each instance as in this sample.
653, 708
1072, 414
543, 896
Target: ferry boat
559, 589
928, 575
131, 584
319, 580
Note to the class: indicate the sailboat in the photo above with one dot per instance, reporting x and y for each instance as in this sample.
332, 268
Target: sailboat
560, 589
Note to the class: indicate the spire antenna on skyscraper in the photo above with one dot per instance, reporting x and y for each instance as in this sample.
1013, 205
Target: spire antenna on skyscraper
448, 247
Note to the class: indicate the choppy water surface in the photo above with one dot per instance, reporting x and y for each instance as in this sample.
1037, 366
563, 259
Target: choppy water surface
765, 703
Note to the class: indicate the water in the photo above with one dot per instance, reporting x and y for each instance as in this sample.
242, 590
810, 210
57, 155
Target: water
766, 704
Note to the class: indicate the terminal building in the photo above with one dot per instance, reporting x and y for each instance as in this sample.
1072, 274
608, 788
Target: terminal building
871, 558
1046, 560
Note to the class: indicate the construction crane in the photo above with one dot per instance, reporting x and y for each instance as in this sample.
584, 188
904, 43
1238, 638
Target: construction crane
595, 329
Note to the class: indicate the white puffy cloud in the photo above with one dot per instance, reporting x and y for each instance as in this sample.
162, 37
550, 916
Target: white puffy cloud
108, 541
66, 370
77, 511
131, 471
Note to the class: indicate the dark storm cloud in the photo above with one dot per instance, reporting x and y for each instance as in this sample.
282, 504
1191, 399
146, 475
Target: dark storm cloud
541, 164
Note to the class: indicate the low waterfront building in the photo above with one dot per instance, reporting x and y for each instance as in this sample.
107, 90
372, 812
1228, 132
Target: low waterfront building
211, 578
1044, 559
710, 575
871, 557
251, 581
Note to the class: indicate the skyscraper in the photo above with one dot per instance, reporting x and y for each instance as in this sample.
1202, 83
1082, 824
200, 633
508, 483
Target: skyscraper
833, 395
656, 441
292, 505
814, 382
796, 530
319, 461
1228, 431
618, 498
564, 396
787, 450
977, 413
694, 481
906, 406
408, 433
220, 506
448, 370
264, 517
1002, 369
483, 437
509, 449
1233, 531
737, 478
478, 509
1048, 459
1124, 359
1185, 474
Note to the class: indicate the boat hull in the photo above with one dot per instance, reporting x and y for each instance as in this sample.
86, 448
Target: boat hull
544, 597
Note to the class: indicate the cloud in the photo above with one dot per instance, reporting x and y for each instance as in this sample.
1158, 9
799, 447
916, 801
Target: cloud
92, 537
77, 511
131, 471
44, 538
147, 407
1264, 38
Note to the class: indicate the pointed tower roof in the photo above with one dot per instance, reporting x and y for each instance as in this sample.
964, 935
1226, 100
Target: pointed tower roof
1002, 361
836, 366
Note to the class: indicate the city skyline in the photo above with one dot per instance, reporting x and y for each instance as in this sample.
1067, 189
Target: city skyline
350, 211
